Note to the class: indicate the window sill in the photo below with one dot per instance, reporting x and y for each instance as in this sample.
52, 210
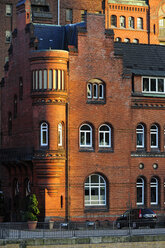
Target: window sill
105, 150
86, 149
92, 101
93, 209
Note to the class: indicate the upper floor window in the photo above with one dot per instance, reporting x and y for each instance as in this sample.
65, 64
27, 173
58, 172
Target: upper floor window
44, 134
8, 36
83, 15
135, 41
114, 20
95, 90
140, 136
104, 136
131, 22
95, 191
49, 80
122, 21
140, 191
8, 9
127, 40
60, 134
69, 15
139, 23
118, 39
154, 85
154, 136
15, 106
85, 135
154, 184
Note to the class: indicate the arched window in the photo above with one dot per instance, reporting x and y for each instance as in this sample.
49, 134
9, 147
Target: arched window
154, 184
60, 134
140, 23
154, 136
9, 123
122, 21
85, 136
95, 191
113, 20
140, 136
15, 106
95, 90
131, 22
118, 39
104, 136
136, 41
44, 134
140, 191
127, 40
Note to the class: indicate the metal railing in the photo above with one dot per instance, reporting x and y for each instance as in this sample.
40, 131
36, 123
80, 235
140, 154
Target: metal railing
20, 230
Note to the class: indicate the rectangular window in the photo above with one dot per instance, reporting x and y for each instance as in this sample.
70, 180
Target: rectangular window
59, 79
40, 79
101, 91
8, 36
45, 79
8, 9
153, 85
69, 15
95, 91
50, 79
55, 79
36, 80
63, 80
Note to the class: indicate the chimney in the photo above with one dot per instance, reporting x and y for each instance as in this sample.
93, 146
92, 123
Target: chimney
23, 9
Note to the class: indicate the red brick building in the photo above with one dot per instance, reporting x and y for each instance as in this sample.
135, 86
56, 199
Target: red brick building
83, 121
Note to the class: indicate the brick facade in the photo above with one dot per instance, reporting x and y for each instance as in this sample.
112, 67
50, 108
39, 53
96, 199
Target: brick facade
56, 90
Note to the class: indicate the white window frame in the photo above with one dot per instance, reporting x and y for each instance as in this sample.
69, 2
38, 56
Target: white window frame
8, 36
154, 185
69, 15
154, 131
131, 22
140, 131
104, 134
156, 91
44, 128
122, 21
89, 90
8, 9
101, 90
139, 23
59, 134
86, 132
99, 185
141, 186
95, 86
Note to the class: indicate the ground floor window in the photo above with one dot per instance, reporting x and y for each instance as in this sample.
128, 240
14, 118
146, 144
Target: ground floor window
95, 191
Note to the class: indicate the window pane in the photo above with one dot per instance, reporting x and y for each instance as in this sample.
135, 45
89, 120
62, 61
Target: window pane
88, 138
145, 84
82, 134
153, 84
153, 194
153, 140
161, 85
106, 138
104, 128
85, 127
139, 139
95, 91
139, 195
89, 90
94, 179
101, 139
44, 137
50, 79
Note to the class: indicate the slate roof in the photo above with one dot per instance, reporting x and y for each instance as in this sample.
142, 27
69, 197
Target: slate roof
142, 59
56, 37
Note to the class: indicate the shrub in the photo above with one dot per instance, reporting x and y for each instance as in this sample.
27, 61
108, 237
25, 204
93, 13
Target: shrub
32, 208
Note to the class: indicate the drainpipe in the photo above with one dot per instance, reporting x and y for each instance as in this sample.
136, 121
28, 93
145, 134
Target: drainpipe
58, 12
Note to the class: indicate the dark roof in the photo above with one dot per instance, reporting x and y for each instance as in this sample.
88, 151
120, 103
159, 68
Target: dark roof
142, 59
56, 37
